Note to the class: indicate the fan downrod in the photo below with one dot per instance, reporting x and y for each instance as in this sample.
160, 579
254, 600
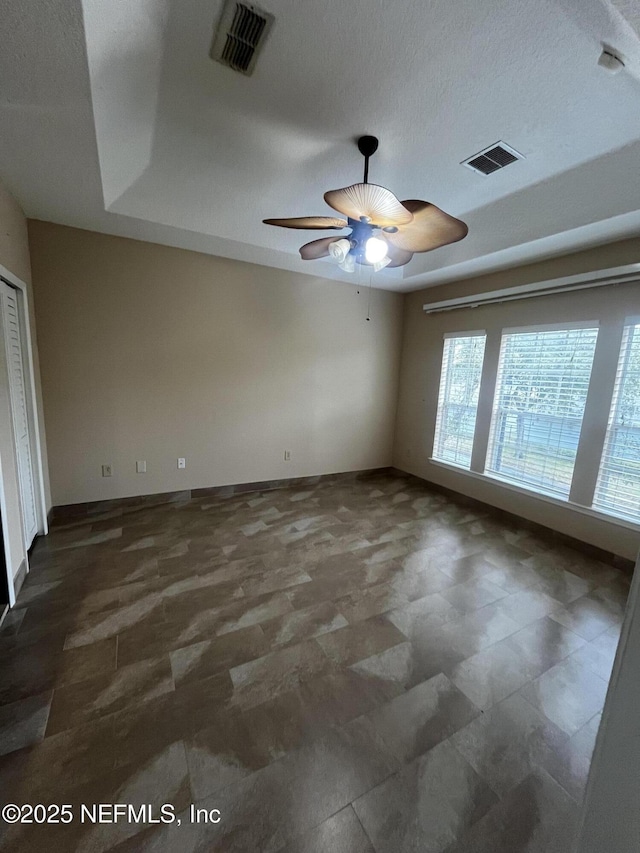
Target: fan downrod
367, 146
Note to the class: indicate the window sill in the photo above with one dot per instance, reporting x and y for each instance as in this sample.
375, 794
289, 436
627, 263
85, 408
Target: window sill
540, 496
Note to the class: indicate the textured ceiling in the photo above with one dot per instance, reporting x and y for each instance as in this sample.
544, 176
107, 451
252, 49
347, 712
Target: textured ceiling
115, 119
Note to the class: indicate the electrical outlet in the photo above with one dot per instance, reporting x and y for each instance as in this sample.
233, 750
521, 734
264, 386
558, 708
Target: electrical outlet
287, 456
182, 462
141, 466
106, 470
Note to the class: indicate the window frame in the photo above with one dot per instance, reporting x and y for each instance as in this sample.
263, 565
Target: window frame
630, 323
476, 333
581, 497
532, 330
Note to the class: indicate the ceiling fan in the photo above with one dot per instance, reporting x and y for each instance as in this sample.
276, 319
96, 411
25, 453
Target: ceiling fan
384, 231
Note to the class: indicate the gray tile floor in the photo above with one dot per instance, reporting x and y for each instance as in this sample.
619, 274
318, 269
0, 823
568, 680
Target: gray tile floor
355, 666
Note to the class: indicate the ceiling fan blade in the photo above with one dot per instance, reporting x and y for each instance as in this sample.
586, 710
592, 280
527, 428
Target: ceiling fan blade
430, 228
319, 223
377, 204
399, 257
316, 248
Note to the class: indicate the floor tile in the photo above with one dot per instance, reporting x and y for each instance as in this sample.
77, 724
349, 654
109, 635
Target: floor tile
528, 606
418, 720
342, 833
100, 626
285, 653
23, 722
370, 601
359, 641
276, 580
425, 806
569, 762
536, 817
13, 619
78, 664
569, 694
222, 754
163, 780
563, 585
142, 730
290, 797
210, 657
303, 624
282, 670
251, 611
47, 770
473, 594
506, 743
82, 701
599, 655
27, 670
491, 675
467, 568
588, 616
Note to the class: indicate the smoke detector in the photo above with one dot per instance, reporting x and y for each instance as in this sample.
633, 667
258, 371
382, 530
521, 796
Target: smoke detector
240, 36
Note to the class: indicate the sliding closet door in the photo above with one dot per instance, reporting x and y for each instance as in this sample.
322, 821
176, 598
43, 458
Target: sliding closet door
19, 408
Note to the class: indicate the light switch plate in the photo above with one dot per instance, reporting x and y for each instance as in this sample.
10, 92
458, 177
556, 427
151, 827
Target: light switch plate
182, 462
141, 466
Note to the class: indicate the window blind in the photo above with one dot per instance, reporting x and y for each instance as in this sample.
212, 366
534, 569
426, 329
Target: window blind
458, 398
618, 486
541, 391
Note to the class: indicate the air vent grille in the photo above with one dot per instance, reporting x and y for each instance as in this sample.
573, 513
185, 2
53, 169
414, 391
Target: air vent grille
492, 159
240, 34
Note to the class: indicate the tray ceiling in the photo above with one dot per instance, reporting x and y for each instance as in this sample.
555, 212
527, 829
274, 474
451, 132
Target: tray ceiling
114, 118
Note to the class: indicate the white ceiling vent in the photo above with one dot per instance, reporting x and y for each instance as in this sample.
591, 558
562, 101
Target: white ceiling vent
240, 35
493, 158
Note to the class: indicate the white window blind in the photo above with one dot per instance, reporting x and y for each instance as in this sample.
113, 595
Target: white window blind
458, 398
618, 487
542, 383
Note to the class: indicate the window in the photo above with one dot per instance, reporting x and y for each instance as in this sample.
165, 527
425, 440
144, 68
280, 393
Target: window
542, 383
458, 398
618, 488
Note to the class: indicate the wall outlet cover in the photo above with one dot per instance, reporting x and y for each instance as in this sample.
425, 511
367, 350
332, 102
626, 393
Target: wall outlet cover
141, 466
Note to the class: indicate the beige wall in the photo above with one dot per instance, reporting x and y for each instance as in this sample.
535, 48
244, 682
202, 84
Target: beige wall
599, 258
14, 245
420, 374
151, 353
14, 257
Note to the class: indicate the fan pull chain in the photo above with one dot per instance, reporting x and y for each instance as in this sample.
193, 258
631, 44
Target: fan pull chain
369, 296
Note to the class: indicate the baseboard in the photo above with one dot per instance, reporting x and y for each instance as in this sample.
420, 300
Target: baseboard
91, 508
19, 578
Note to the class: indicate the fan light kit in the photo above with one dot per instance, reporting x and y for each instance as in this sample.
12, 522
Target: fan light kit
384, 232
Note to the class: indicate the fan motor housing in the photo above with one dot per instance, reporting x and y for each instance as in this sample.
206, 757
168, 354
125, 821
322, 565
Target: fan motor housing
360, 233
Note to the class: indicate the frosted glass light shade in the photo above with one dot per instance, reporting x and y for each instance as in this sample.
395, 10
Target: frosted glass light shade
349, 264
375, 250
380, 265
339, 250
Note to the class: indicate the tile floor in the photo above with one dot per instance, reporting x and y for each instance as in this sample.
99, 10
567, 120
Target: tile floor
359, 666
